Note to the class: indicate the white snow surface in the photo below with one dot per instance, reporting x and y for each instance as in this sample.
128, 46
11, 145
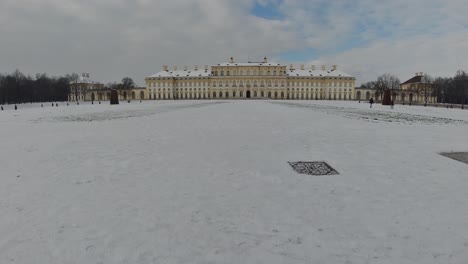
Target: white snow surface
209, 182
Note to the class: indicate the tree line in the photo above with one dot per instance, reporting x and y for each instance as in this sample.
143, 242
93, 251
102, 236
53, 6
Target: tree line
17, 88
453, 90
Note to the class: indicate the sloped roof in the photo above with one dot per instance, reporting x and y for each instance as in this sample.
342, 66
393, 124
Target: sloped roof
182, 73
316, 73
415, 79
337, 73
84, 79
249, 64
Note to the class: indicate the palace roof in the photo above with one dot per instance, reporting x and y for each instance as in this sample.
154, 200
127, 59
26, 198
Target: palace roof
316, 73
249, 64
182, 73
415, 79
85, 79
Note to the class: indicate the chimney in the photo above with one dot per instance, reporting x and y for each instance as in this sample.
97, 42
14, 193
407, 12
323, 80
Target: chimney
323, 68
196, 67
334, 67
175, 68
302, 67
165, 67
265, 60
231, 60
313, 67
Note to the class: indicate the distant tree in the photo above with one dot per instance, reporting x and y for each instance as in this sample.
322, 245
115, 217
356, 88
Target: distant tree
425, 87
73, 80
460, 87
386, 81
113, 85
127, 83
439, 88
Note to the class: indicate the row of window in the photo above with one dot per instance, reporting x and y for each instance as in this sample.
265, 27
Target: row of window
268, 83
292, 89
249, 73
254, 94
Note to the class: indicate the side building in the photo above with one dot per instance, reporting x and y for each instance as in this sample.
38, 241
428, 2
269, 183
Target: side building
82, 87
251, 80
415, 90
86, 89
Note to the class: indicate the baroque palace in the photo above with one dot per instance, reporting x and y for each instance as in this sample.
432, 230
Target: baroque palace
254, 80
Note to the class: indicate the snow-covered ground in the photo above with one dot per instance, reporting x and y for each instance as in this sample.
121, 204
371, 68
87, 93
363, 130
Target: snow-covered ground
209, 182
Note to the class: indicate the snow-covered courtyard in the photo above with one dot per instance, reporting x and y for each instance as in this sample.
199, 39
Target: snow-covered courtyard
209, 182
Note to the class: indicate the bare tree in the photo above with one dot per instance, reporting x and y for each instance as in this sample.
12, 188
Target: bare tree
387, 81
73, 79
127, 83
425, 87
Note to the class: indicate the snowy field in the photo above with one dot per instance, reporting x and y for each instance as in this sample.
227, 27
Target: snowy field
209, 182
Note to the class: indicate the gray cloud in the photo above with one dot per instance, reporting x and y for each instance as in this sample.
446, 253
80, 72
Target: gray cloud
115, 38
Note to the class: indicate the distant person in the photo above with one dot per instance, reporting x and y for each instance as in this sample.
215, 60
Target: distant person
392, 104
16, 107
56, 105
371, 102
2, 107
42, 105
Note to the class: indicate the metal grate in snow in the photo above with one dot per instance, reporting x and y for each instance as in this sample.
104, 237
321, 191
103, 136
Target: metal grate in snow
315, 168
458, 156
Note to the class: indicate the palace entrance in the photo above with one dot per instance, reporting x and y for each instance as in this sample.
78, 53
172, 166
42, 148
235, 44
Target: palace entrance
247, 94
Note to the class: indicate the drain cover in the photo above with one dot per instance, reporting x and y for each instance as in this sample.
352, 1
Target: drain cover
459, 156
315, 168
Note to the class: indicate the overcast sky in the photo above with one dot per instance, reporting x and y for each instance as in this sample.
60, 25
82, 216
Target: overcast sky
111, 39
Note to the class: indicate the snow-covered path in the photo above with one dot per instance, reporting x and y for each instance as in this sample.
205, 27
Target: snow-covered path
209, 182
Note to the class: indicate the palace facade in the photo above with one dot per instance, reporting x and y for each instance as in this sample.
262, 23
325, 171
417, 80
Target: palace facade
251, 80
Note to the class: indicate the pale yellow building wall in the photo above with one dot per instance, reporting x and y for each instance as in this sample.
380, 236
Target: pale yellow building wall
234, 82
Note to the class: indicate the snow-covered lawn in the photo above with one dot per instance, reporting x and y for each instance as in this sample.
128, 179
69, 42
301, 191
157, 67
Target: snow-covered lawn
209, 182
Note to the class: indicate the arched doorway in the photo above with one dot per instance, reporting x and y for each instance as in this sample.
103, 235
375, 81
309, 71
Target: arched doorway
142, 95
367, 95
125, 95
247, 94
133, 95
358, 95
92, 97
